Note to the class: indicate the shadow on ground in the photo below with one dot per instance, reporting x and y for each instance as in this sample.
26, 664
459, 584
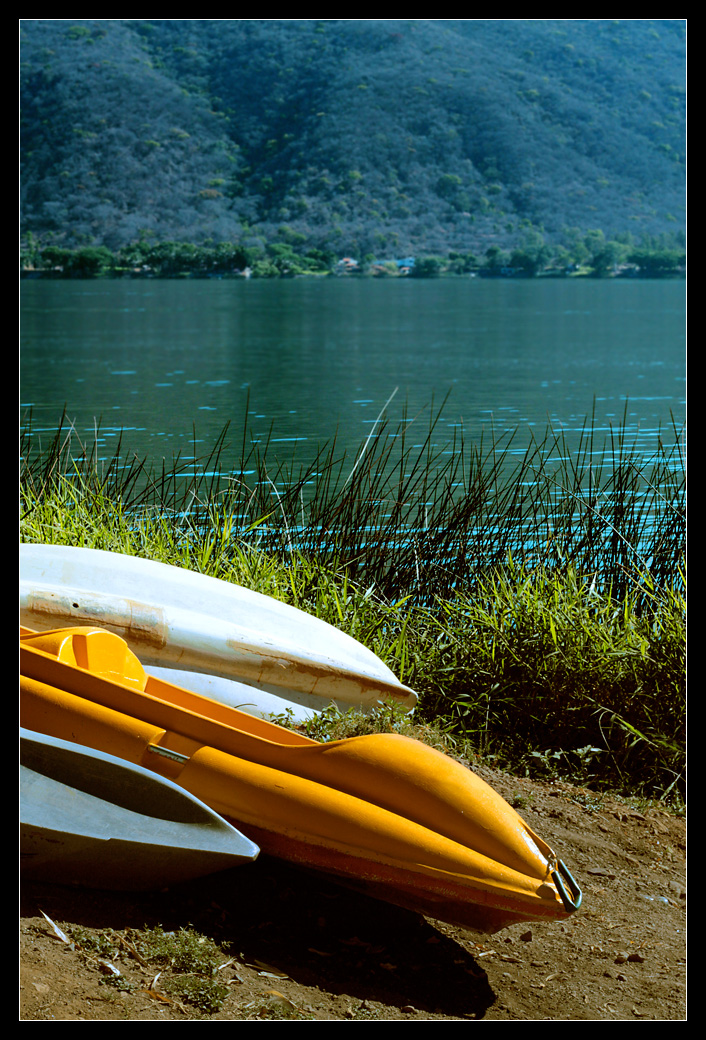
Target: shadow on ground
319, 934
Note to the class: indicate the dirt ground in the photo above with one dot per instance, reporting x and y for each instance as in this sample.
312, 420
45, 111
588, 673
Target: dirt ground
300, 948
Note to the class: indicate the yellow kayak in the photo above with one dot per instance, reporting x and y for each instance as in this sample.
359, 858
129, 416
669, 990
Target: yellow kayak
382, 812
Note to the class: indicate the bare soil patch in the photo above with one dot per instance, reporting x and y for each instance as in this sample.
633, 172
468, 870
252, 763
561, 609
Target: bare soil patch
303, 948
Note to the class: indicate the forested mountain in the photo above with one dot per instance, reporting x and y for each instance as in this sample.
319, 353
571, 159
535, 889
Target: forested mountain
384, 137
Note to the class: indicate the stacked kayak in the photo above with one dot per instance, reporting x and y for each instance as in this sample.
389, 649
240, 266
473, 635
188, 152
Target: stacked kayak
233, 645
383, 813
92, 819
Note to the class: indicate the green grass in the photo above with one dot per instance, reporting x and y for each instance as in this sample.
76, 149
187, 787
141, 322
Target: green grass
188, 961
538, 608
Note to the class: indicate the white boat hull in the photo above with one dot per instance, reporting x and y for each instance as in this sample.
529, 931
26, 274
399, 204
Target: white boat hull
176, 618
253, 700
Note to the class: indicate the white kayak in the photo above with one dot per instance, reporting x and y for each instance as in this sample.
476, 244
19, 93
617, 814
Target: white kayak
175, 618
251, 699
91, 819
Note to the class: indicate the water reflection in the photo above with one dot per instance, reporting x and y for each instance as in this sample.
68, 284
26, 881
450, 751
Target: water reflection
313, 359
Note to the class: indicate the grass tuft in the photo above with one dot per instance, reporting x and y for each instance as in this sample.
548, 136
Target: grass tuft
538, 607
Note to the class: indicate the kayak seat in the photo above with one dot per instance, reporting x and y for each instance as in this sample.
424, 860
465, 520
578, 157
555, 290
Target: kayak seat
94, 649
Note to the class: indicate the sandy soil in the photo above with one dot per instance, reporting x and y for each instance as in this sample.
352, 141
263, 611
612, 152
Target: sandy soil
304, 949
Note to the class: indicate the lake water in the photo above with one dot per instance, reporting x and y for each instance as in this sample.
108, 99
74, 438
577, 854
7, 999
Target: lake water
311, 358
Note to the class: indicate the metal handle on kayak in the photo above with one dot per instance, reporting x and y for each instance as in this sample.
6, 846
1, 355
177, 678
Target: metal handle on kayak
175, 756
571, 902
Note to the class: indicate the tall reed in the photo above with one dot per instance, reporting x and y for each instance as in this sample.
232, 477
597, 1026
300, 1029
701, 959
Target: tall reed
409, 515
536, 605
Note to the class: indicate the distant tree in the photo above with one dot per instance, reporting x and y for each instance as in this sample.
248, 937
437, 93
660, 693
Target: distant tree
91, 262
594, 241
223, 258
657, 263
320, 259
284, 258
55, 258
29, 252
173, 258
462, 263
264, 268
133, 255
426, 267
605, 260
529, 261
575, 246
495, 261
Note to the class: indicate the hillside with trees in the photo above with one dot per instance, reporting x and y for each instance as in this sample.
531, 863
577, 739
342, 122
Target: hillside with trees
382, 138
